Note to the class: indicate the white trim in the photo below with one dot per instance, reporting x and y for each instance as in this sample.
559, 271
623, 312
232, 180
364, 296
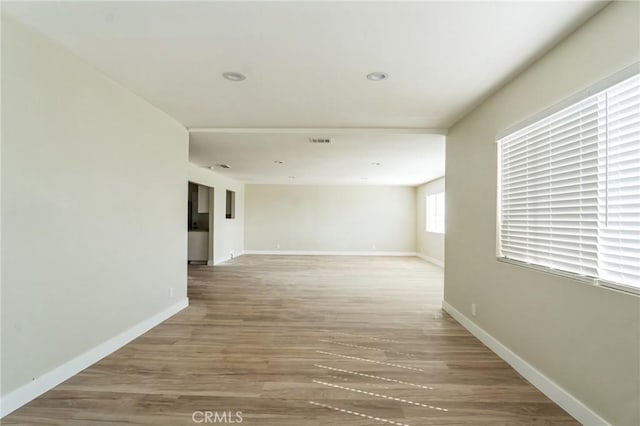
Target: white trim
224, 259
430, 259
28, 392
330, 253
544, 384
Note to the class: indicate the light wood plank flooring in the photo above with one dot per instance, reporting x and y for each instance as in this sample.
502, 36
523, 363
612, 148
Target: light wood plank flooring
303, 341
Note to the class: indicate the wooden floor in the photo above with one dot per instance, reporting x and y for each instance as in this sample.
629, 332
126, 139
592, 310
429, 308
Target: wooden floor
302, 341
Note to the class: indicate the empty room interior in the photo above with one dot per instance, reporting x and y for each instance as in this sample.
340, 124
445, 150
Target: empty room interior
320, 213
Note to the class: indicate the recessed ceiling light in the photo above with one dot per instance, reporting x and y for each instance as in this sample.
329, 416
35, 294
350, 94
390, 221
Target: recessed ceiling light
211, 167
363, 178
224, 166
234, 76
375, 164
377, 76
279, 162
292, 177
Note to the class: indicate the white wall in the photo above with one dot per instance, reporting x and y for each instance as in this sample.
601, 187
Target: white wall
228, 234
584, 338
429, 244
93, 208
330, 218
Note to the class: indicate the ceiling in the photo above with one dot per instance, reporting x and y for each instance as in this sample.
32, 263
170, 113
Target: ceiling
358, 158
305, 64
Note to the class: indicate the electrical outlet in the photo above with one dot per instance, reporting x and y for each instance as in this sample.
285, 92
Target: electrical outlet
373, 247
171, 292
231, 255
278, 246
473, 309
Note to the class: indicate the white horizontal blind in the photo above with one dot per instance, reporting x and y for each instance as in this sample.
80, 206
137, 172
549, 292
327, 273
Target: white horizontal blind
570, 188
619, 192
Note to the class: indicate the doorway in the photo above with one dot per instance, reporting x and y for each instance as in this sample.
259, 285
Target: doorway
200, 224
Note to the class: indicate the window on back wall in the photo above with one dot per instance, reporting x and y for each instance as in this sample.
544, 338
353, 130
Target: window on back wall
435, 213
569, 188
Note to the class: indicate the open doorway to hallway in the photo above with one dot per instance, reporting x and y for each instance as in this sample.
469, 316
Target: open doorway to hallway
200, 224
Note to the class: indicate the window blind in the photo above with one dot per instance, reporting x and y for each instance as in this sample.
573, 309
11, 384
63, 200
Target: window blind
569, 189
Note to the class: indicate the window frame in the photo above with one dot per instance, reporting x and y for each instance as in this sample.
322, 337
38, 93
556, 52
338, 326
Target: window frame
436, 203
592, 90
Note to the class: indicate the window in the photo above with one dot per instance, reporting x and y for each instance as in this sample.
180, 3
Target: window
569, 189
435, 213
230, 211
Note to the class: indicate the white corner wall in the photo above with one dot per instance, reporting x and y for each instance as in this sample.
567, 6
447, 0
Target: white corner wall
429, 245
330, 219
583, 340
228, 234
94, 203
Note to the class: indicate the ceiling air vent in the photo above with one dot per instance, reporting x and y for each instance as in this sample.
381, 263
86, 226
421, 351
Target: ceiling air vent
319, 140
224, 166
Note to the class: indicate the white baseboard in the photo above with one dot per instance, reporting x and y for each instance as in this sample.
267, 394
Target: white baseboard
430, 259
19, 397
220, 260
557, 394
329, 253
